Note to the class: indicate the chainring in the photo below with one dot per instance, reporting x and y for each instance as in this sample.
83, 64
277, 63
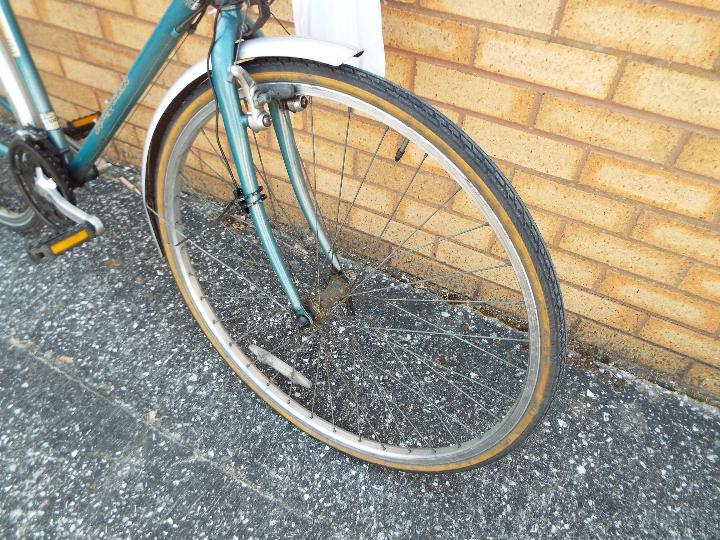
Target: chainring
24, 156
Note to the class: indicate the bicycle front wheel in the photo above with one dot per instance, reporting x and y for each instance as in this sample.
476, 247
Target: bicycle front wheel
437, 343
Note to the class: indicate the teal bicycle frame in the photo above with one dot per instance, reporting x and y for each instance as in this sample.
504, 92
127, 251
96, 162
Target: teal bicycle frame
168, 32
148, 63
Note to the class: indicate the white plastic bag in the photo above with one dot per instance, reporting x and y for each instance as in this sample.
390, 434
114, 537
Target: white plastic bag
354, 22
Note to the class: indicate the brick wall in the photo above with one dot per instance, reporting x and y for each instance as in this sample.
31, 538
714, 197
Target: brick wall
605, 115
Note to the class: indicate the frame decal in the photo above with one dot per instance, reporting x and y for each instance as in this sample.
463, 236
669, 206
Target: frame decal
9, 37
111, 104
49, 120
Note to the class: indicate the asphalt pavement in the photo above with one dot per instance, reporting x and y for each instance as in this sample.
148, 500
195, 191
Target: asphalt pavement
120, 420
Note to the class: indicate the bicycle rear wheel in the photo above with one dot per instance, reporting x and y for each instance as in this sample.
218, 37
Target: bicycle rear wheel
15, 212
439, 343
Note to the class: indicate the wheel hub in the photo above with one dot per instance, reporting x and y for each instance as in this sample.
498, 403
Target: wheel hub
336, 291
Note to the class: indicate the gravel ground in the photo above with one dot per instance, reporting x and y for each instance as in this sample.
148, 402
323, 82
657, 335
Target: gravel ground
120, 420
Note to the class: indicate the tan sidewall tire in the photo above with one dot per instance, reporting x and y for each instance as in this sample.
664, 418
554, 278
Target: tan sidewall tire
551, 332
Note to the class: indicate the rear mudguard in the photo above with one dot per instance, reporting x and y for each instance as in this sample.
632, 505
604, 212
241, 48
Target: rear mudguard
289, 46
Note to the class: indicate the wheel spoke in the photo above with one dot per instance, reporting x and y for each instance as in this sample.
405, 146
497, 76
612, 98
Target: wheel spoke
419, 392
431, 333
430, 365
357, 191
415, 230
271, 193
430, 279
445, 333
227, 267
396, 207
342, 178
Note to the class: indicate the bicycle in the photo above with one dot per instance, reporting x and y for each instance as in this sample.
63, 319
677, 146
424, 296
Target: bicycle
358, 261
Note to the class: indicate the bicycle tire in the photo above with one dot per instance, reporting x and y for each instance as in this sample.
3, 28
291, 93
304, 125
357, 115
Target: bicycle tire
474, 164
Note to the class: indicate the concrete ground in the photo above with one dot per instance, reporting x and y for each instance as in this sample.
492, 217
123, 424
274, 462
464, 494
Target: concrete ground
120, 420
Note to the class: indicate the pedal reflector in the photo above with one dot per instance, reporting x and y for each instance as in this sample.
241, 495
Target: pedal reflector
84, 120
48, 250
70, 241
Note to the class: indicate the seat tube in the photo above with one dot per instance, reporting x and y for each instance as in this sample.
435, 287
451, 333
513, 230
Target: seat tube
28, 73
223, 56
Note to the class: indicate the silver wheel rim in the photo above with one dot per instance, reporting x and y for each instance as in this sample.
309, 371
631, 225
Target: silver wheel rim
300, 415
14, 219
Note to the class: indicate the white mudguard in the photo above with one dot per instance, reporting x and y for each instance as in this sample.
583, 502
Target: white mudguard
326, 52
356, 22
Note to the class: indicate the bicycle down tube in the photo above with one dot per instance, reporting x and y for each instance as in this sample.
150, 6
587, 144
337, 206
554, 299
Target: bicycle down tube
149, 61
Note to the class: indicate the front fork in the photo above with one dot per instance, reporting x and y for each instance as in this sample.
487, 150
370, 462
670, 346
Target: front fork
236, 125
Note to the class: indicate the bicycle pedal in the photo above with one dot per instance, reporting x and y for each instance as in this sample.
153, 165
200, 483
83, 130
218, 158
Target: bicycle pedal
81, 127
67, 239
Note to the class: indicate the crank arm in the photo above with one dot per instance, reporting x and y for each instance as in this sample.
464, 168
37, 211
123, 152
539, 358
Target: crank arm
47, 188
